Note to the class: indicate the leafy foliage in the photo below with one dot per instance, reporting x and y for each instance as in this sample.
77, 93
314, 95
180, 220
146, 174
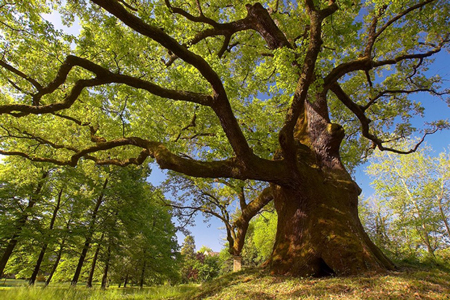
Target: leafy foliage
409, 215
135, 226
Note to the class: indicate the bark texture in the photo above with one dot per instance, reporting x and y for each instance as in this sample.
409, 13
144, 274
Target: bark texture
319, 232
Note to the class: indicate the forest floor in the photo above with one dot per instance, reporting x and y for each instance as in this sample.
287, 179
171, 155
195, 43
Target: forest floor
407, 283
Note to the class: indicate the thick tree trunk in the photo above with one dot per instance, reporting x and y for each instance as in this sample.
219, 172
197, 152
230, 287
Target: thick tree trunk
319, 232
88, 240
20, 223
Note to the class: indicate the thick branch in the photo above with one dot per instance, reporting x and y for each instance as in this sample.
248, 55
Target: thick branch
221, 103
252, 208
365, 61
286, 136
366, 64
257, 169
103, 76
158, 35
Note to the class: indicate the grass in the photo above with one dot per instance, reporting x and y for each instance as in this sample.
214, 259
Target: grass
17, 290
408, 283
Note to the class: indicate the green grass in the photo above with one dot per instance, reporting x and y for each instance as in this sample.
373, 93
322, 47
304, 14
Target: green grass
409, 283
17, 290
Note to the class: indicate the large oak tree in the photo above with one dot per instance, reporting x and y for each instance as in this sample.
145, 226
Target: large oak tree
228, 89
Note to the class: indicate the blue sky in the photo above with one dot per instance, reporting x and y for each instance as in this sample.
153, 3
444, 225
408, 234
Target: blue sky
210, 234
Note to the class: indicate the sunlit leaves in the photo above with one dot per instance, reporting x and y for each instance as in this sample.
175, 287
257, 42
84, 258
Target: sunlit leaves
415, 192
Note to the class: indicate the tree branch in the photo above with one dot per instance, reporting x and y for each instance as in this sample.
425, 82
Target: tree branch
10, 68
364, 121
103, 76
286, 136
401, 15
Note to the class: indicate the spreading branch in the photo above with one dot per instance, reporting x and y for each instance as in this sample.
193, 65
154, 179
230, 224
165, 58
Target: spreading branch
365, 121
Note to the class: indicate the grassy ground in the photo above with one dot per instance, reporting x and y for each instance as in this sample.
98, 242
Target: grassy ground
17, 290
408, 283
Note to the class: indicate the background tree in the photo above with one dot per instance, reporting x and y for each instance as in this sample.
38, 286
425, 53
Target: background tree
259, 244
21, 191
415, 191
197, 266
247, 91
226, 200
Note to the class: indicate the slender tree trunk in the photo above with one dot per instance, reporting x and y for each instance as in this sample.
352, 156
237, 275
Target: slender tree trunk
441, 209
44, 247
94, 262
126, 281
144, 265
88, 240
236, 233
423, 230
105, 272
20, 223
444, 218
58, 257
56, 263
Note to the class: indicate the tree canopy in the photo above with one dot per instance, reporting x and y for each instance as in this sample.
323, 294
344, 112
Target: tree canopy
208, 89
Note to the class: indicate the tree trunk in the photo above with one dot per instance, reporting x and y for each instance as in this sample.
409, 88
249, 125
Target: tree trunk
94, 262
55, 265
105, 272
126, 281
237, 263
141, 282
319, 232
237, 232
88, 240
21, 223
44, 247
